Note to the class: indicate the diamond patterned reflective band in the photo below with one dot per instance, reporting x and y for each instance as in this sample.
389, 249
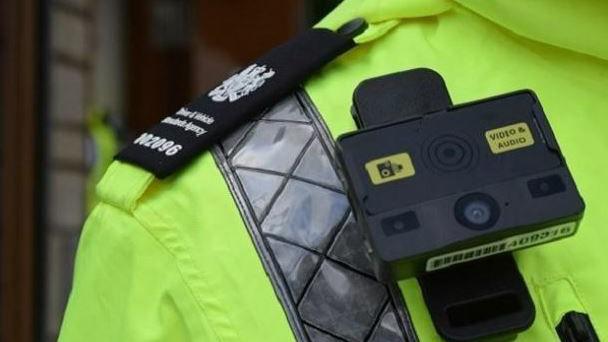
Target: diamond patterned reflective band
280, 168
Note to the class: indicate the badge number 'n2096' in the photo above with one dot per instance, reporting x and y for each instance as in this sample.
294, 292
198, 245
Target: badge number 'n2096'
242, 84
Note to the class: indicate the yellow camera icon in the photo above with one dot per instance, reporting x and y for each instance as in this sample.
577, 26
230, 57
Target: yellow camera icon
390, 168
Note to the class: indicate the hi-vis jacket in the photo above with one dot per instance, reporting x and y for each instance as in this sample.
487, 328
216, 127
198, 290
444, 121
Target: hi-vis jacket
254, 240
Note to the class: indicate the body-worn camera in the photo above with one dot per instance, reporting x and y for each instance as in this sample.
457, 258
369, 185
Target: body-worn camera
435, 185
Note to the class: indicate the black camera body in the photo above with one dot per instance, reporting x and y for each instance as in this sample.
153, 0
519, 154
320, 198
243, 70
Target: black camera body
435, 185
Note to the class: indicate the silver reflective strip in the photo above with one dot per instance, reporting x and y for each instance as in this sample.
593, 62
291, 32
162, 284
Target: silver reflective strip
281, 171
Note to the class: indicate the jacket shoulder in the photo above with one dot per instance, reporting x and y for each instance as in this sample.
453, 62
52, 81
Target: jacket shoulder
123, 185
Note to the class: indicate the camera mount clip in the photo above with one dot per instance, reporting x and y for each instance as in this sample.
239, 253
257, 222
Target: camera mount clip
485, 298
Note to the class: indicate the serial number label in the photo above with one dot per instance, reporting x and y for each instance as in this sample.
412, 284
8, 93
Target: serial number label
504, 245
158, 144
509, 138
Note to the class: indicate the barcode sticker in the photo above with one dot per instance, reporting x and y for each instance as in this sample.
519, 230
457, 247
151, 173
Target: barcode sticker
507, 244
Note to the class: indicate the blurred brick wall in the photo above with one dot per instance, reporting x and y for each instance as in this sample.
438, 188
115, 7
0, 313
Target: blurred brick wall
70, 79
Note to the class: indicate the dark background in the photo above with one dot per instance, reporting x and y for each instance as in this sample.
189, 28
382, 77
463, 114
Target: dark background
134, 61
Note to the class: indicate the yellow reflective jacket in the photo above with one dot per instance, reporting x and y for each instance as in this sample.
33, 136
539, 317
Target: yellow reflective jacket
179, 259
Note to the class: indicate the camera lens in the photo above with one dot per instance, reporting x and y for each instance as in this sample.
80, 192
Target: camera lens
477, 211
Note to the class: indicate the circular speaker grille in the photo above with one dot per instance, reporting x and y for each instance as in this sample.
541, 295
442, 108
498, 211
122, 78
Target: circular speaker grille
450, 153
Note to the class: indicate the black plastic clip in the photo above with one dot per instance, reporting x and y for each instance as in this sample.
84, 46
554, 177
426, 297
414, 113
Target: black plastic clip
353, 28
481, 299
399, 96
576, 327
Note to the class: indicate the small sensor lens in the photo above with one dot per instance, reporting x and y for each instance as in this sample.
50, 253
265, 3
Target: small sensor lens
546, 186
400, 223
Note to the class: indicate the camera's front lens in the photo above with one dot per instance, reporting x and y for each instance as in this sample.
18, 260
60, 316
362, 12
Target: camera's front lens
477, 211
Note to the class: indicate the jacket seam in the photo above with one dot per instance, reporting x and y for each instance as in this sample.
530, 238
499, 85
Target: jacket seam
177, 261
540, 285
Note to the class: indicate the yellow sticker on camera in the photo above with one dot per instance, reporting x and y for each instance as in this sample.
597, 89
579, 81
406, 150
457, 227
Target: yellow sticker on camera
509, 138
390, 168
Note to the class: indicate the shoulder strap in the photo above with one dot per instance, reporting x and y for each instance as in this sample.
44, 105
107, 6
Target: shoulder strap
171, 144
